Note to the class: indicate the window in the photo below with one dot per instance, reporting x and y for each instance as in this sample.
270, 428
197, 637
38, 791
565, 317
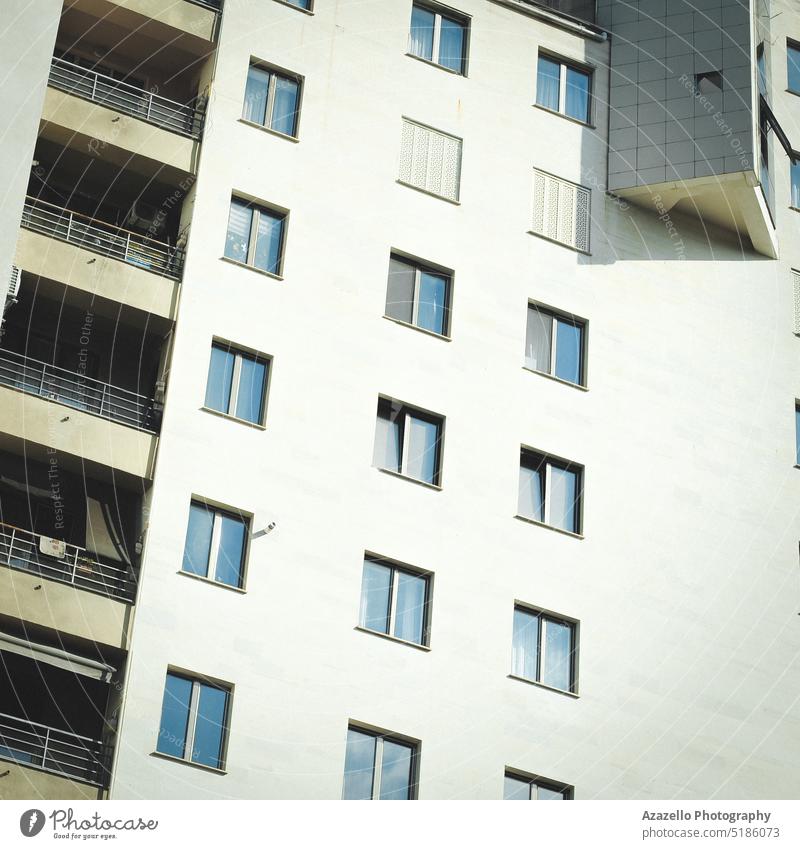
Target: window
796, 182
544, 649
564, 88
518, 786
272, 99
301, 4
793, 67
761, 69
237, 383
550, 491
408, 441
554, 344
418, 295
395, 601
194, 720
438, 36
215, 546
379, 766
797, 433
430, 160
709, 83
561, 211
255, 236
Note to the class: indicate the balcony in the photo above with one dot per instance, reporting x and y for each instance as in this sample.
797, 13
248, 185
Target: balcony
75, 390
184, 119
57, 560
102, 238
52, 750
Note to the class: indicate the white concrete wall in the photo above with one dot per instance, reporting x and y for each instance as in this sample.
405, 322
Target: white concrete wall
686, 582
27, 37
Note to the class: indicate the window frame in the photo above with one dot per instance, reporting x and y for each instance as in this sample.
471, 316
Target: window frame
567, 318
240, 353
440, 11
397, 569
794, 184
420, 266
408, 411
258, 207
537, 781
791, 44
381, 736
275, 71
308, 11
214, 543
196, 680
543, 615
565, 64
565, 465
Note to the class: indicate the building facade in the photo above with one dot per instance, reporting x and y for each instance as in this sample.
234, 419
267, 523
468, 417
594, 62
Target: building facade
400, 400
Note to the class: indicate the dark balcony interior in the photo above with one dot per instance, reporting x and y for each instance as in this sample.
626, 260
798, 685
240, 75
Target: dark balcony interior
69, 353
115, 195
54, 703
585, 10
42, 504
128, 55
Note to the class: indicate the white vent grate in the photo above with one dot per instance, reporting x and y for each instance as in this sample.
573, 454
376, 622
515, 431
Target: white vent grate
13, 288
796, 282
430, 160
561, 210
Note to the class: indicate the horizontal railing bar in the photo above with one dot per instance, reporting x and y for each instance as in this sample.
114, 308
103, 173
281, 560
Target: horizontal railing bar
48, 727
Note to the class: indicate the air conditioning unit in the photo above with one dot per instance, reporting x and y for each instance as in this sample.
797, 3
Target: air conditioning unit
144, 217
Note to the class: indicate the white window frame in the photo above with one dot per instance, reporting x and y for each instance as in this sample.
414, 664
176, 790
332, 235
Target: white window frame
562, 86
537, 781
565, 465
544, 616
216, 537
451, 14
396, 570
420, 267
377, 766
574, 320
239, 354
407, 411
191, 724
271, 87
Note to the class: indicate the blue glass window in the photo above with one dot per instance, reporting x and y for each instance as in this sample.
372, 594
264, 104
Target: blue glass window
418, 295
550, 491
554, 344
793, 67
215, 546
438, 38
543, 649
408, 441
378, 767
394, 601
237, 383
548, 83
194, 717
272, 100
564, 88
255, 236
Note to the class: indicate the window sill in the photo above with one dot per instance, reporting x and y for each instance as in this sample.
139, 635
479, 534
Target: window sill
549, 527
556, 379
231, 418
420, 329
792, 91
436, 65
545, 686
296, 8
577, 121
269, 130
185, 762
434, 486
240, 590
794, 208
428, 193
252, 267
391, 638
556, 242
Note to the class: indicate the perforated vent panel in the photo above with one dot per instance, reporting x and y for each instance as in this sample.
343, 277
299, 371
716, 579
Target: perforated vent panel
561, 210
430, 160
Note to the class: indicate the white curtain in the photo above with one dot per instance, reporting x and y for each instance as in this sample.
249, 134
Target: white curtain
538, 340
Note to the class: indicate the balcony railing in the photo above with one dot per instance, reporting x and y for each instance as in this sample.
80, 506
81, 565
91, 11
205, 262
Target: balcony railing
586, 10
53, 750
102, 238
64, 562
78, 391
132, 100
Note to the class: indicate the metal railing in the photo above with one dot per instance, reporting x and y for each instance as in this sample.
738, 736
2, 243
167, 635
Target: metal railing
64, 562
168, 114
52, 749
76, 390
102, 238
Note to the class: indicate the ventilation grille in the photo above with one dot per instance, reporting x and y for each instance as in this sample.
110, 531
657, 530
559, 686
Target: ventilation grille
430, 160
13, 287
561, 210
796, 282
